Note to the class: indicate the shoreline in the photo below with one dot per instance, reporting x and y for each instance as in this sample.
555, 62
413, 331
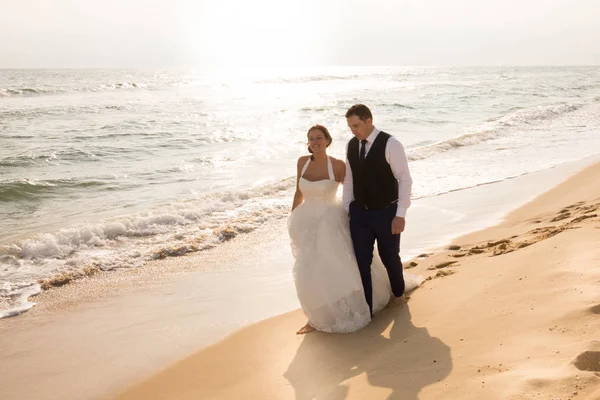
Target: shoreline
445, 211
160, 331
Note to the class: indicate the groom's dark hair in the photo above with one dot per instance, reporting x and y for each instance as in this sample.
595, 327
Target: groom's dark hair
361, 111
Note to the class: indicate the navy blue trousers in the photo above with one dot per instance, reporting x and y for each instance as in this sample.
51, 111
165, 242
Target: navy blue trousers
366, 227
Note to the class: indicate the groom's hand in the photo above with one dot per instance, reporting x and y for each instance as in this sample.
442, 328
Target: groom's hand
398, 225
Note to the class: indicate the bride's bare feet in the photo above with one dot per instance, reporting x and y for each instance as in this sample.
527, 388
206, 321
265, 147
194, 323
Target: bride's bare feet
305, 329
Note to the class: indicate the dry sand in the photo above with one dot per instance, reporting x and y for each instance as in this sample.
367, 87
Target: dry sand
512, 314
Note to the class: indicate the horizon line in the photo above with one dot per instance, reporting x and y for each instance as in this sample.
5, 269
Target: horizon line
266, 67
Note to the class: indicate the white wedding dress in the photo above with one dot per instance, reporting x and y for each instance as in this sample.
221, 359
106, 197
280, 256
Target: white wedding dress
327, 279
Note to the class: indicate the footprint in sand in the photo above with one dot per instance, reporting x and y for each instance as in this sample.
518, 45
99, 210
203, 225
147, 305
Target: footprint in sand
595, 309
445, 264
586, 216
564, 214
589, 208
576, 205
424, 255
588, 361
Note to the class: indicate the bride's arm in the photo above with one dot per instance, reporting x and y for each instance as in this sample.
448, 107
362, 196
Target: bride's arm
298, 196
339, 170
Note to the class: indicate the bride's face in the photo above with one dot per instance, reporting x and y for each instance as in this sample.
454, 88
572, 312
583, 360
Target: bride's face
317, 141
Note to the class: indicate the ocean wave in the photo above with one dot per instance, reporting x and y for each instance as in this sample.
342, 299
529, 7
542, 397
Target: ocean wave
31, 159
396, 75
39, 91
14, 298
310, 78
26, 160
56, 111
130, 241
30, 190
494, 128
586, 87
315, 109
394, 105
419, 121
451, 84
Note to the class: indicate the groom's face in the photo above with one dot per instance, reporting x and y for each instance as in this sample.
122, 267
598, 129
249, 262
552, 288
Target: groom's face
361, 129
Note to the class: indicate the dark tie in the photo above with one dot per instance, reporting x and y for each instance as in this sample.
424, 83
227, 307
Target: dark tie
363, 148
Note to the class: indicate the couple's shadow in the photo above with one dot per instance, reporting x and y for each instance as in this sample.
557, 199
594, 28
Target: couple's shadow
391, 352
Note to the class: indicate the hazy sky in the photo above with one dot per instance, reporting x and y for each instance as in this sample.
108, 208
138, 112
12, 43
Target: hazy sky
238, 33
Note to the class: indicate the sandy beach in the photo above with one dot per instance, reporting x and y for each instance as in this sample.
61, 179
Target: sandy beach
511, 314
151, 243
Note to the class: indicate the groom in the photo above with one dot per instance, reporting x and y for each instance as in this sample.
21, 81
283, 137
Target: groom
377, 190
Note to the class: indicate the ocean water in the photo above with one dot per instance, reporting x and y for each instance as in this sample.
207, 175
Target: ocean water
108, 169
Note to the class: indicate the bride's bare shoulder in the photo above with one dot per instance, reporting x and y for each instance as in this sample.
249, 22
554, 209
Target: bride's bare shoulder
302, 159
337, 162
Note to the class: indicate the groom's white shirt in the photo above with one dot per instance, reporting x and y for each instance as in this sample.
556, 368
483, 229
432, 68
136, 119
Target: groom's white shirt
396, 157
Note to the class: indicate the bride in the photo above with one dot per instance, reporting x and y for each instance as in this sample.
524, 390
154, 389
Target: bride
326, 275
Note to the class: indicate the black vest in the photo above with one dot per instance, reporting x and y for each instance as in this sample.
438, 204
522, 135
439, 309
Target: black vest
375, 186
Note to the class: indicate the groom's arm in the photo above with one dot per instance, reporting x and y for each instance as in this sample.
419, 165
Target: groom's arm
396, 157
348, 190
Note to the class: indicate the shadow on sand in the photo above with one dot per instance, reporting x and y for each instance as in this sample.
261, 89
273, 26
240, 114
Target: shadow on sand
391, 351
